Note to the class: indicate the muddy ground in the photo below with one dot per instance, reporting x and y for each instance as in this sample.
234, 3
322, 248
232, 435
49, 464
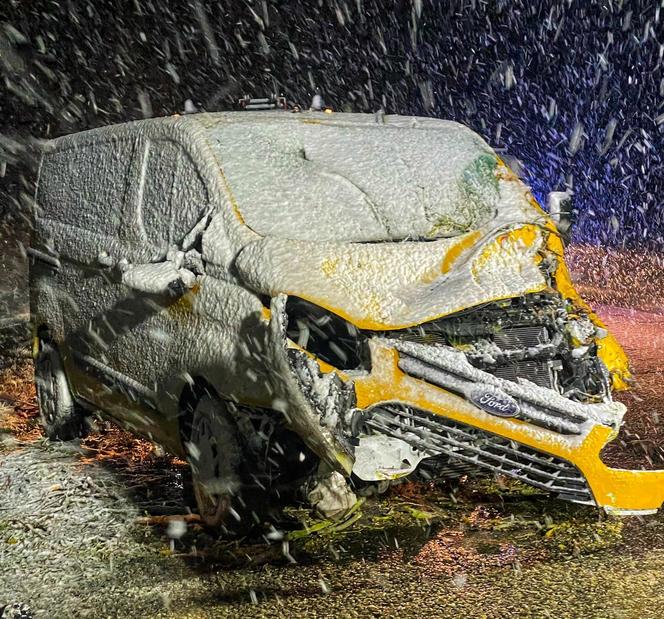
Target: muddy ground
86, 528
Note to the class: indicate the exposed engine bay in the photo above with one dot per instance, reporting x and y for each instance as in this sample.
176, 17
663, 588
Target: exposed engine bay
538, 337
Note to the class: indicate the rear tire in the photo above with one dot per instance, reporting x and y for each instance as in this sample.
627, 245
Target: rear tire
61, 417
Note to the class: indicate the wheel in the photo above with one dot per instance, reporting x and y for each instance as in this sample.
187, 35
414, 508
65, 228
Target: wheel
61, 417
215, 455
245, 464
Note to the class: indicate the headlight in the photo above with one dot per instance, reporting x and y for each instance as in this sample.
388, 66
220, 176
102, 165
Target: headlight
326, 335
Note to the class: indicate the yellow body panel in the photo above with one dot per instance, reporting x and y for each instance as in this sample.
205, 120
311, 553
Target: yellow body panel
458, 249
614, 489
502, 248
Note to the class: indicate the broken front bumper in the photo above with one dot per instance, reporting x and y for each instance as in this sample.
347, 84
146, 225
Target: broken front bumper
421, 401
425, 396
427, 405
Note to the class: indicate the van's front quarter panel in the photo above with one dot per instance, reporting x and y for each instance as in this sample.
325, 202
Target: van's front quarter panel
220, 334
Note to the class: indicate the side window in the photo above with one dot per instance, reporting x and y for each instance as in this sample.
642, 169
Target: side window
86, 185
190, 197
174, 196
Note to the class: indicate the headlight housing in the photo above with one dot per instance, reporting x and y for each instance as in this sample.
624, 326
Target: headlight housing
326, 335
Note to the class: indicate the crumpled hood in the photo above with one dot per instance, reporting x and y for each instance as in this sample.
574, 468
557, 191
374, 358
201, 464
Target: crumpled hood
395, 285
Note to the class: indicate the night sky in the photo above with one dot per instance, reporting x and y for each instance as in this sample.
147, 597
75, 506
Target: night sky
571, 93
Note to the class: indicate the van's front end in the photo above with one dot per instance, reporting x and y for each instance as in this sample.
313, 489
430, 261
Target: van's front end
519, 385
442, 330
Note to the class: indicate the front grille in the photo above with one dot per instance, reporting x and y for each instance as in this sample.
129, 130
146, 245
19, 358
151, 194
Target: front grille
520, 338
439, 436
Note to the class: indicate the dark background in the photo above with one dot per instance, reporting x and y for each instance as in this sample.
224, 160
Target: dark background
571, 92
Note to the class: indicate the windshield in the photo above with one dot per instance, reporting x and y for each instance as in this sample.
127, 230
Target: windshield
357, 180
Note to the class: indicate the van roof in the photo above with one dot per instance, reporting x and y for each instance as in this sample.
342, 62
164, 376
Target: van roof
343, 176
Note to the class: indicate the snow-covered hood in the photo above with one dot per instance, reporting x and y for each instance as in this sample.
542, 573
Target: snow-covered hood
395, 285
328, 202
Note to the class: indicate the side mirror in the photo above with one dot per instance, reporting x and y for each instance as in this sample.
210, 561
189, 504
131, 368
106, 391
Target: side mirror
561, 211
161, 278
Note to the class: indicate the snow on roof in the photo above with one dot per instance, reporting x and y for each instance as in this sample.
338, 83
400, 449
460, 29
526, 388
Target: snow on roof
354, 177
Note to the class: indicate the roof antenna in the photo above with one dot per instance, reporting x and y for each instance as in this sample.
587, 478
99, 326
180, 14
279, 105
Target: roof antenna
190, 107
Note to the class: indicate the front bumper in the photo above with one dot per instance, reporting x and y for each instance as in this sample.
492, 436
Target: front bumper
567, 463
423, 397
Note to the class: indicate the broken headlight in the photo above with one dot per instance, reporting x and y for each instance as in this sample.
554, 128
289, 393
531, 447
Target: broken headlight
326, 335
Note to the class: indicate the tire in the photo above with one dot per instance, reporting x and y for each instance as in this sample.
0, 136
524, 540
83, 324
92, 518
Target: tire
215, 454
260, 467
61, 417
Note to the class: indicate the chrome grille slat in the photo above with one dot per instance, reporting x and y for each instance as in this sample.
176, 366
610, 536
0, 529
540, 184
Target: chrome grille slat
447, 442
432, 424
441, 436
549, 486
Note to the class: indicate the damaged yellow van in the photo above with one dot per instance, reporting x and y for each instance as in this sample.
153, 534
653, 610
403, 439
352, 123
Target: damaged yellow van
283, 295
